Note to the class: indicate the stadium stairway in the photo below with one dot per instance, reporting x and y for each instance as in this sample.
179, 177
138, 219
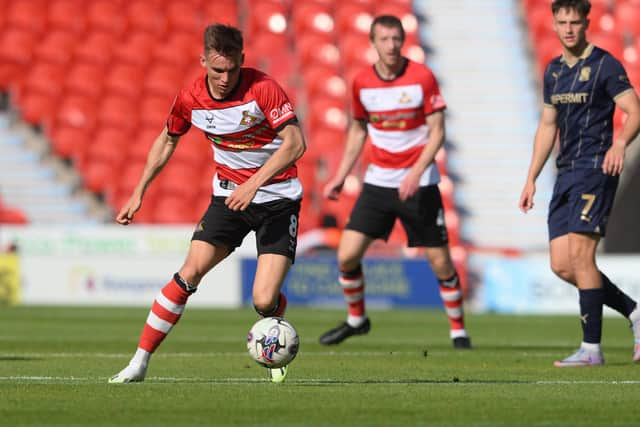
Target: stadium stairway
488, 80
43, 188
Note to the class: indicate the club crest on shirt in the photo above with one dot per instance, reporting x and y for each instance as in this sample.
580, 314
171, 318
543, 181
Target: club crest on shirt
247, 119
404, 98
585, 74
209, 119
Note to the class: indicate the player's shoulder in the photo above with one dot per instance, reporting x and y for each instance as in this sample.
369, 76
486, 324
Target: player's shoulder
599, 54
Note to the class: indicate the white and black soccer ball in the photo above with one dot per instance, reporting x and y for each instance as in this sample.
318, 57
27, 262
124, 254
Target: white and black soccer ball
273, 342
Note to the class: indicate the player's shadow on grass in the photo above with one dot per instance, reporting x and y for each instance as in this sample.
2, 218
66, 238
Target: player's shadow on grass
18, 359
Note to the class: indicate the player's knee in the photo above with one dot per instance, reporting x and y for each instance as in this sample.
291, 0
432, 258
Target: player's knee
563, 271
265, 305
347, 261
191, 276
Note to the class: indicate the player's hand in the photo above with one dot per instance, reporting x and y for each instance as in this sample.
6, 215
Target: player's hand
241, 197
125, 216
614, 160
333, 188
526, 198
409, 186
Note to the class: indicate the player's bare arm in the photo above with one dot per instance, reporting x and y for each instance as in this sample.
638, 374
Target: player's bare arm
356, 138
160, 152
614, 159
292, 148
411, 183
542, 146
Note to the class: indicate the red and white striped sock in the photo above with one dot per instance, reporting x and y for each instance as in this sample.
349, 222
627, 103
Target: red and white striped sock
352, 283
165, 313
451, 294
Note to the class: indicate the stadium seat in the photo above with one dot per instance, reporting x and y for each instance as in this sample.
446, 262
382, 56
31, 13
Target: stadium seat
67, 15
180, 179
106, 16
118, 112
135, 49
95, 48
221, 11
147, 16
16, 46
154, 111
179, 51
84, 79
184, 17
627, 19
108, 145
45, 79
140, 143
353, 18
326, 112
67, 140
323, 81
78, 112
611, 42
97, 175
313, 17
27, 15
174, 209
56, 48
37, 108
316, 50
163, 80
124, 79
267, 17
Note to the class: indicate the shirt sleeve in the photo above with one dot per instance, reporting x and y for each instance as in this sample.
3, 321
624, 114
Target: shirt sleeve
358, 110
275, 103
547, 87
179, 121
433, 99
615, 77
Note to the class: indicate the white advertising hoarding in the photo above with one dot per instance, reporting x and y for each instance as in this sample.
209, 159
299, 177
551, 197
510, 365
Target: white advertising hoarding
114, 265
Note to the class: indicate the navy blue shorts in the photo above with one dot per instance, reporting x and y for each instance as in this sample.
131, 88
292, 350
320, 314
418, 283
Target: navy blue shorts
581, 202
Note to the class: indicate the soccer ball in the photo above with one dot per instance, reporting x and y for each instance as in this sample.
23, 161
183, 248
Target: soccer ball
273, 342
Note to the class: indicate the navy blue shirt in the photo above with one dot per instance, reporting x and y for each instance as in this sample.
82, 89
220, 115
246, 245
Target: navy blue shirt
583, 95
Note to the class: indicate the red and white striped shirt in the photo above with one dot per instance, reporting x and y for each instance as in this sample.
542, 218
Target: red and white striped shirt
395, 111
243, 130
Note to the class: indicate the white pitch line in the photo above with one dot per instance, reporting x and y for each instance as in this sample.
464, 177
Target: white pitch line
315, 381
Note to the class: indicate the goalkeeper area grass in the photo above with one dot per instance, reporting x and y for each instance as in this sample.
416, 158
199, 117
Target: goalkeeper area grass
55, 362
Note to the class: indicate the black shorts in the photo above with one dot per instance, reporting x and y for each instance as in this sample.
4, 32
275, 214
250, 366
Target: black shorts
581, 202
275, 224
422, 215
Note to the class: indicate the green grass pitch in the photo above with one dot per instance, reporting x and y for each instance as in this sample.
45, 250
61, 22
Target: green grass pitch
54, 365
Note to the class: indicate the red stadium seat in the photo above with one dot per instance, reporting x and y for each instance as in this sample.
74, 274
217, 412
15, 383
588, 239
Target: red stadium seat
328, 113
77, 111
174, 210
611, 42
180, 179
45, 79
154, 111
627, 18
118, 112
267, 17
95, 48
352, 17
97, 175
125, 80
321, 81
37, 108
66, 15
313, 17
140, 144
185, 17
16, 48
221, 11
194, 149
135, 49
56, 48
163, 80
68, 140
315, 50
27, 15
179, 51
357, 51
106, 16
85, 80
147, 16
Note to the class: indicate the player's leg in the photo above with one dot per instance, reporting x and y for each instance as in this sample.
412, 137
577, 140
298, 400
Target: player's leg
422, 217
219, 232
582, 249
276, 225
451, 293
372, 217
169, 305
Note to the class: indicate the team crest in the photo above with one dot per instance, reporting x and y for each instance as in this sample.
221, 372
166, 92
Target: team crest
247, 119
585, 74
404, 98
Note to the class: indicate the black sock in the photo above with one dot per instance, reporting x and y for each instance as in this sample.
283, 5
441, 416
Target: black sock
616, 298
591, 301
